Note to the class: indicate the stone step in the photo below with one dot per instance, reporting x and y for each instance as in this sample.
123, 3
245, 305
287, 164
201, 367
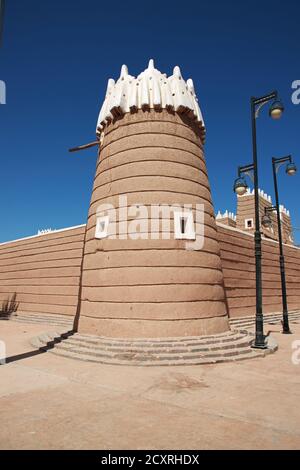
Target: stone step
179, 349
267, 317
250, 354
166, 340
136, 353
44, 340
154, 346
42, 315
53, 322
42, 320
196, 341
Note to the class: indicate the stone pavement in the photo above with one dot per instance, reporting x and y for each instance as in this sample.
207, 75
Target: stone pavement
53, 402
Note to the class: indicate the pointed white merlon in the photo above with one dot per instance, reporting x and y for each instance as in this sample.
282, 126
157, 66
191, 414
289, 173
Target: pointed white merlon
144, 93
110, 85
190, 85
151, 64
124, 71
156, 94
176, 71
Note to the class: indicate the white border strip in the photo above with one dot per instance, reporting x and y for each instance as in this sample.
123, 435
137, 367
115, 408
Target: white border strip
43, 234
252, 235
233, 229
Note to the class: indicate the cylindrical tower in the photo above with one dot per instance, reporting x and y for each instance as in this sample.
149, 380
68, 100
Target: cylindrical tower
151, 265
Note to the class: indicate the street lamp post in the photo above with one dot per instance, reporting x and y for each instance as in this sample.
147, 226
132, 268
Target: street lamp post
240, 187
290, 170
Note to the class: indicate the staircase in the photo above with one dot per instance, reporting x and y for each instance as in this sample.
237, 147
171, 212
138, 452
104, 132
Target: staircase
44, 318
269, 318
230, 346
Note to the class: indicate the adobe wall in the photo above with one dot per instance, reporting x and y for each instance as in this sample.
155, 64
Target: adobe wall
238, 264
43, 271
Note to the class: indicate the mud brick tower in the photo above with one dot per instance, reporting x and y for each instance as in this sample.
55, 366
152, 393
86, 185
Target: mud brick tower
151, 134
246, 216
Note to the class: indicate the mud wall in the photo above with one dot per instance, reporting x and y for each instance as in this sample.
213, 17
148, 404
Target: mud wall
43, 272
238, 264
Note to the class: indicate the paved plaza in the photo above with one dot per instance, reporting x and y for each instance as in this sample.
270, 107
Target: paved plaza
53, 402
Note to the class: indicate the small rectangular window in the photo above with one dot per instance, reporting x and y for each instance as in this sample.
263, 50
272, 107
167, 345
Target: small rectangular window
184, 225
249, 223
102, 227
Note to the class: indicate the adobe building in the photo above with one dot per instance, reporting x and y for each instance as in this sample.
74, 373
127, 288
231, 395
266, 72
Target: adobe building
151, 151
245, 218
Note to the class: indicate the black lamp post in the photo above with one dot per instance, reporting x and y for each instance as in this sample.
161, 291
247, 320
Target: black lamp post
290, 170
240, 187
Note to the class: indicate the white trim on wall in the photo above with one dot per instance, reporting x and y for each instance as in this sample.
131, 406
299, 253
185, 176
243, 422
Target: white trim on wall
43, 234
102, 227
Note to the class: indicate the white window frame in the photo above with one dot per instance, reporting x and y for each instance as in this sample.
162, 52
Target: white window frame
102, 232
246, 224
189, 233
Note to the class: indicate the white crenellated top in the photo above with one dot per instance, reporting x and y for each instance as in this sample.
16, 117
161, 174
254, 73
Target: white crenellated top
226, 215
45, 231
283, 210
260, 192
267, 198
151, 89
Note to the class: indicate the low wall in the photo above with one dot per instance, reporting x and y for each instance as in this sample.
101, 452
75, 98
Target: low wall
238, 264
44, 271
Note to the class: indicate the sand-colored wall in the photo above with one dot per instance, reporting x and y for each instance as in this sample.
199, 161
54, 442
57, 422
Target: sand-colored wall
43, 271
152, 287
238, 264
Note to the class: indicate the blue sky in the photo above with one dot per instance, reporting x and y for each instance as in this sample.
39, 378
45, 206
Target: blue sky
56, 58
